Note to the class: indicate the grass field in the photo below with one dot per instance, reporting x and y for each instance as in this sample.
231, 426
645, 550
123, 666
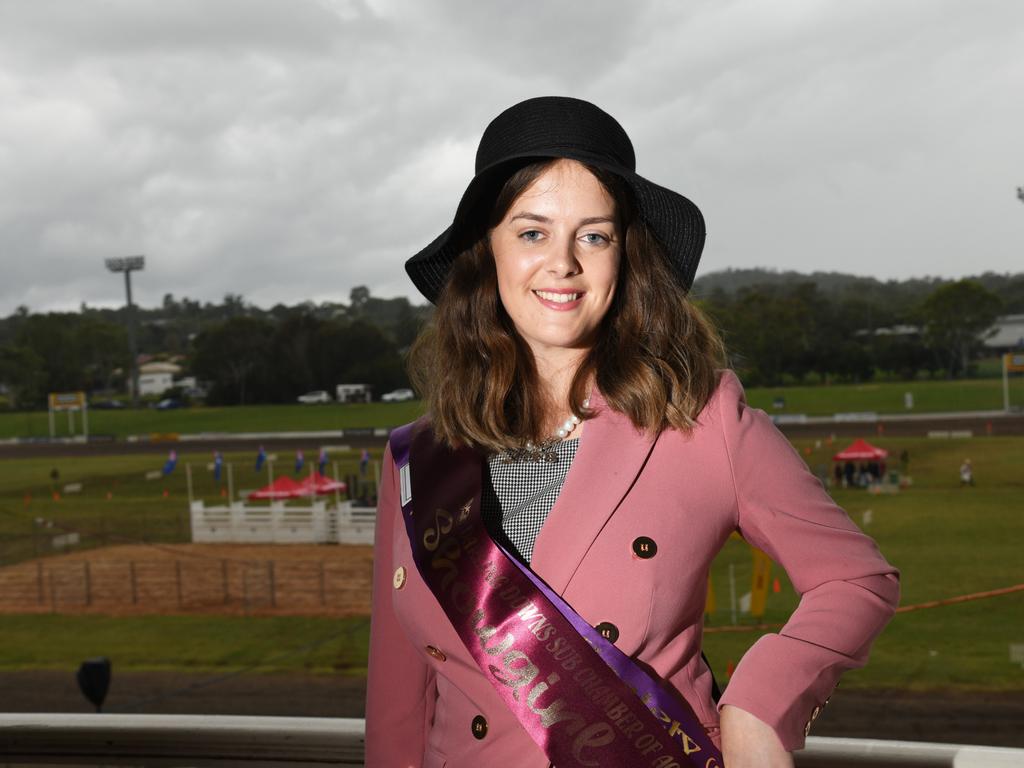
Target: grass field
946, 540
245, 418
187, 643
117, 504
882, 397
887, 397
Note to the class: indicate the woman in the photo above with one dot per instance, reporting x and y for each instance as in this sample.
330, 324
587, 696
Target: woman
579, 412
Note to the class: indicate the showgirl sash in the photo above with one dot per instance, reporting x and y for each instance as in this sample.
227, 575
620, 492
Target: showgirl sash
579, 697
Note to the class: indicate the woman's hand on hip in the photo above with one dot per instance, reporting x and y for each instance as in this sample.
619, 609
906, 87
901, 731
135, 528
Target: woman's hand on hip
749, 742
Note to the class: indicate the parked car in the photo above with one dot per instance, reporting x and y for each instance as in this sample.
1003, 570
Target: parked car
398, 396
168, 404
314, 398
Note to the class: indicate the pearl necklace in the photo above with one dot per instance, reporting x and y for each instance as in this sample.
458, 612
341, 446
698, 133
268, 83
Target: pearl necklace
545, 450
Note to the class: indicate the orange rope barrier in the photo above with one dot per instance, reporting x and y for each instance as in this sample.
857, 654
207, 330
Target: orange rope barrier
902, 609
962, 598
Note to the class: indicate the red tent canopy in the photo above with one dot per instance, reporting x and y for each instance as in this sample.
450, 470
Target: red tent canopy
282, 488
317, 484
860, 450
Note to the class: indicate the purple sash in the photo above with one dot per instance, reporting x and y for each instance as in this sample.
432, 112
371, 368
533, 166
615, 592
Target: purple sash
579, 697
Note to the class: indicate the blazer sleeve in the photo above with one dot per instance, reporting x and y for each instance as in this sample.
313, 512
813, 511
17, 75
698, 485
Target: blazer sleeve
399, 689
848, 592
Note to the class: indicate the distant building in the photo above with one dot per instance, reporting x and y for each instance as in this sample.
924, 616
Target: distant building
1008, 334
1005, 335
157, 377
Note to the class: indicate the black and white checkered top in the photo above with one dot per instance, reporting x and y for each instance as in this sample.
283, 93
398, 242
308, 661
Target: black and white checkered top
517, 497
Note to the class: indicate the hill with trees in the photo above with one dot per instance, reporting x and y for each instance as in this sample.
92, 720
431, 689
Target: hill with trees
779, 327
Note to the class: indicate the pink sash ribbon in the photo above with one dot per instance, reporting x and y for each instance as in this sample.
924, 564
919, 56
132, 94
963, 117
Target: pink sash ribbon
582, 700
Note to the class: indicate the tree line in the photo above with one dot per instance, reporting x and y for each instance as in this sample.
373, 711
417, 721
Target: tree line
243, 353
779, 328
797, 333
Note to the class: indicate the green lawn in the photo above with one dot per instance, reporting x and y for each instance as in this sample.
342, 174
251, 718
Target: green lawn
882, 397
887, 397
946, 540
244, 418
117, 504
187, 643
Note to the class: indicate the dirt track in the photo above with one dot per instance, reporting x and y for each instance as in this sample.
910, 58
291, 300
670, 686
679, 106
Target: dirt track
956, 718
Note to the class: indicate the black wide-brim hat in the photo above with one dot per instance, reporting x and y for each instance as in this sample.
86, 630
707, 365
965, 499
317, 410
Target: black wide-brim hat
551, 127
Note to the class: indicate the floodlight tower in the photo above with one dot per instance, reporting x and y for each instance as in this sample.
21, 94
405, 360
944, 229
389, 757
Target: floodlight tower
129, 264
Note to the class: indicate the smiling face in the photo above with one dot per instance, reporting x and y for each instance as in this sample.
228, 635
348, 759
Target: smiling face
556, 253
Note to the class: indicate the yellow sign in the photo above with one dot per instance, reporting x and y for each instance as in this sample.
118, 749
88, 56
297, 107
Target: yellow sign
67, 401
1013, 362
759, 586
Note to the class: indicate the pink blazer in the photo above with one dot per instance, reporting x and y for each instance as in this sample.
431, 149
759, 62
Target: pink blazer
427, 704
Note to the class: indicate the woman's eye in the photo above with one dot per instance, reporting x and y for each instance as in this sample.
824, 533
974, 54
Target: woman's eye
594, 238
531, 235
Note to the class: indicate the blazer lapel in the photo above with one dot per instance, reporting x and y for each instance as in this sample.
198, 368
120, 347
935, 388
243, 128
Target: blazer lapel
611, 454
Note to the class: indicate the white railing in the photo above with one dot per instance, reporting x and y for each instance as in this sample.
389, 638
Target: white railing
198, 740
317, 523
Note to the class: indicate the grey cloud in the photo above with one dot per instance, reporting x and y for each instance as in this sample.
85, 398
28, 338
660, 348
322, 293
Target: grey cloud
288, 149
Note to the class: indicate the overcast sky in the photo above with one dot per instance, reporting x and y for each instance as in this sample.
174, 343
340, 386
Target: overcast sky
291, 149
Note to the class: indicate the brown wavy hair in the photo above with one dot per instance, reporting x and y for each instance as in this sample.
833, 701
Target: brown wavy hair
656, 357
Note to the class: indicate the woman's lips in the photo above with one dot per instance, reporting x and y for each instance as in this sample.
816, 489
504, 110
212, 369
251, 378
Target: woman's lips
561, 301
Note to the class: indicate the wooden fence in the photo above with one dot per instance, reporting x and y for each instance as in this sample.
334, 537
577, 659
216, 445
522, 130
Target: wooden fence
187, 585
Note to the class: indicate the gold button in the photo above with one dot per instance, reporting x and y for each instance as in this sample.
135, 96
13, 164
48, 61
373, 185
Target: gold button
436, 653
399, 578
479, 726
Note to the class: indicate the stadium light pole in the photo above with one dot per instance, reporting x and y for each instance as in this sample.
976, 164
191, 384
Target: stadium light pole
129, 264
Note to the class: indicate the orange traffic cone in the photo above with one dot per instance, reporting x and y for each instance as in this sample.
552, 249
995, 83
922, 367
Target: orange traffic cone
776, 586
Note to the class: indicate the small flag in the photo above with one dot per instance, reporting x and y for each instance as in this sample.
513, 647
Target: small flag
364, 462
218, 463
300, 461
261, 459
171, 463
322, 461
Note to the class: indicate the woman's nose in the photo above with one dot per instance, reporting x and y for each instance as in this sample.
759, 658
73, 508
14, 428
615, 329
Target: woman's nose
561, 260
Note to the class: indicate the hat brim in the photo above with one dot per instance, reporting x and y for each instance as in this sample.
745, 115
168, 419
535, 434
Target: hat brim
674, 219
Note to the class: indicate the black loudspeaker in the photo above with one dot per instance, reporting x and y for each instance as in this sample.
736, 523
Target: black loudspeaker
94, 680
